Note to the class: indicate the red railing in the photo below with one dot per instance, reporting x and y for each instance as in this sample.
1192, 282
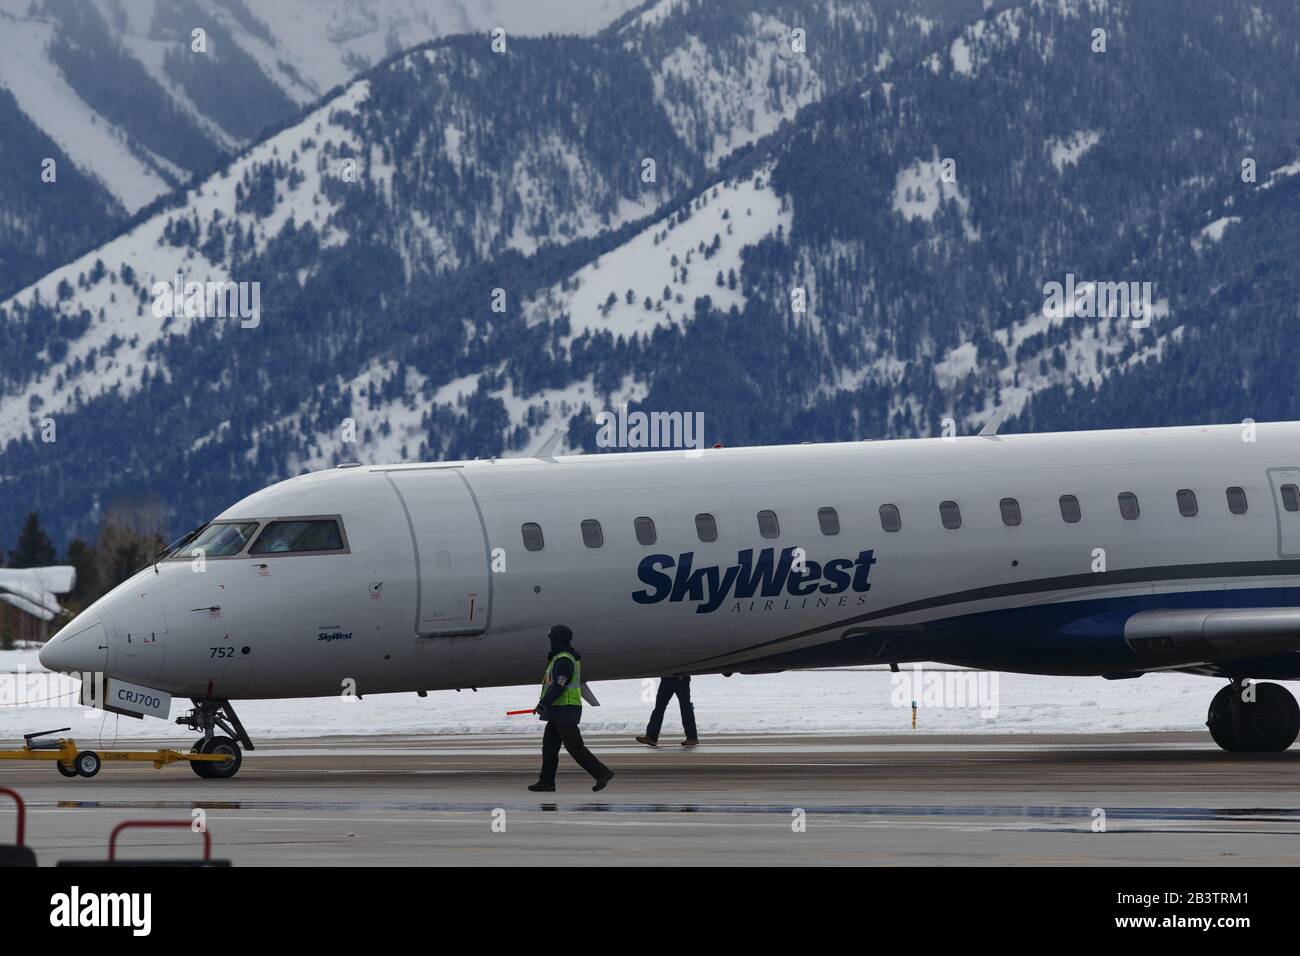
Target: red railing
22, 814
156, 824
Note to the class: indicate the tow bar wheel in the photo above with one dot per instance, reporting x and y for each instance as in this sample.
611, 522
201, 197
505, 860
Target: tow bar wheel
87, 763
66, 770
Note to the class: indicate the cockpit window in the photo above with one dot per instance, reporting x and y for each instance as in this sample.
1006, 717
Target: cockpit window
313, 534
218, 540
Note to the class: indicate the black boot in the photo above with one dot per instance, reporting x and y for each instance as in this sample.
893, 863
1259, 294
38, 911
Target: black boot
540, 787
603, 780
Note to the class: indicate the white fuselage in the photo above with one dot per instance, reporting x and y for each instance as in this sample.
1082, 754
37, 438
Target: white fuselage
436, 588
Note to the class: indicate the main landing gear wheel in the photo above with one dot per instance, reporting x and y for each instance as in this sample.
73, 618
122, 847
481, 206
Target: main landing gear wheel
218, 770
1219, 719
1267, 724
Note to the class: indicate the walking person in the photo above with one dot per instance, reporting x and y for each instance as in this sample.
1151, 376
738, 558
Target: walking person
561, 707
680, 686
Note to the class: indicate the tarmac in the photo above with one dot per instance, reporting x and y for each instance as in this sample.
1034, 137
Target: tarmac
1139, 799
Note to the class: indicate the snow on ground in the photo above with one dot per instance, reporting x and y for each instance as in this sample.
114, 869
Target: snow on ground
1085, 355
1068, 150
654, 14
1280, 173
392, 432
978, 42
95, 145
679, 256
960, 54
736, 93
150, 50
1213, 232
920, 188
847, 700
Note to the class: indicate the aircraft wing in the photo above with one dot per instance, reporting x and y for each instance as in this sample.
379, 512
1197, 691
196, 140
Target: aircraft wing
1185, 636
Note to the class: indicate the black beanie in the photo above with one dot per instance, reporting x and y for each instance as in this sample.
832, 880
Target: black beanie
560, 636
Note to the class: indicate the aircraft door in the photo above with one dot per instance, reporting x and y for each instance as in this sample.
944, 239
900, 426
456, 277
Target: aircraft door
1285, 483
454, 595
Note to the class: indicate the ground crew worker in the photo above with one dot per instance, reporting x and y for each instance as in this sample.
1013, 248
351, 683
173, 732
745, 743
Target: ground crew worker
668, 686
561, 707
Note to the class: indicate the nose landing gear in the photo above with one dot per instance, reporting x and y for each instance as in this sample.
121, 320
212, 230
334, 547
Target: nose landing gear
208, 715
1253, 718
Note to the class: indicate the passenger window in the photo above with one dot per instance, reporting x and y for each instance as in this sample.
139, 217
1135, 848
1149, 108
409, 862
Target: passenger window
890, 519
768, 526
829, 520
1236, 500
706, 527
532, 536
1070, 510
592, 536
1291, 497
1010, 512
950, 514
283, 537
1187, 502
645, 530
1128, 505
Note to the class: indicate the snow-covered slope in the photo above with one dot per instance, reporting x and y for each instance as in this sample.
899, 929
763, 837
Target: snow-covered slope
730, 75
654, 278
672, 262
409, 163
44, 95
123, 331
303, 48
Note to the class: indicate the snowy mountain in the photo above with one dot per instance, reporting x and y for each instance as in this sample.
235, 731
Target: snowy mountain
118, 94
462, 252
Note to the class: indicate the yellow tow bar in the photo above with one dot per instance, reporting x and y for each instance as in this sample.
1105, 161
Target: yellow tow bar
73, 762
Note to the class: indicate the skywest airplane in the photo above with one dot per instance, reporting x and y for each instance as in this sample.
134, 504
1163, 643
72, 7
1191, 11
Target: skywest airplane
1105, 553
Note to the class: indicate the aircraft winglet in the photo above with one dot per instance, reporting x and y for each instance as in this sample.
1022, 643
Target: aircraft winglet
991, 427
544, 453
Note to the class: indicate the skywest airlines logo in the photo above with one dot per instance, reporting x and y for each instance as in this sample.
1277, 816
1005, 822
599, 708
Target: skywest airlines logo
749, 580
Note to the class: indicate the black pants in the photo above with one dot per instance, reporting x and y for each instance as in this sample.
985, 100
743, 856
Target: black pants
668, 686
568, 734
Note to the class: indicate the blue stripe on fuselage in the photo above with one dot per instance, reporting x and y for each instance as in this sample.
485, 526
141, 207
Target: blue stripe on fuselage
1067, 637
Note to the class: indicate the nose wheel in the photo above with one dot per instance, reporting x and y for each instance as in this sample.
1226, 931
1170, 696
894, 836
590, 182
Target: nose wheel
208, 715
1253, 718
213, 769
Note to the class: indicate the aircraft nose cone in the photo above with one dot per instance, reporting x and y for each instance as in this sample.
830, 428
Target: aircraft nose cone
79, 647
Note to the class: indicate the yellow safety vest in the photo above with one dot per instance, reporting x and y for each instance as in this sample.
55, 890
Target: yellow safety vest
572, 695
